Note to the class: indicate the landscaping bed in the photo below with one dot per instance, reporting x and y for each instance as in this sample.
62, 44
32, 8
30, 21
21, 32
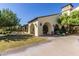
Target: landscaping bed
4, 45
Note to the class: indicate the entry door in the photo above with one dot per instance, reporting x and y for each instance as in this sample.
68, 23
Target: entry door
45, 29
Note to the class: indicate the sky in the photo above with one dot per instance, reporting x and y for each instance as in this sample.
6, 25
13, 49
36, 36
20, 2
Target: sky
28, 11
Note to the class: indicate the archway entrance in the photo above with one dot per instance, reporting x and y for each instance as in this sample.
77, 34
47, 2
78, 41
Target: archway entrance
46, 28
32, 29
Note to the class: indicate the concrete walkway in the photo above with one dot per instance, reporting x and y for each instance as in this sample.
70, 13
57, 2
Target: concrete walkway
61, 46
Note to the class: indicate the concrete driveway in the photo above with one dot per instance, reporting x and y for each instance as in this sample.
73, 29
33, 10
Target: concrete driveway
59, 46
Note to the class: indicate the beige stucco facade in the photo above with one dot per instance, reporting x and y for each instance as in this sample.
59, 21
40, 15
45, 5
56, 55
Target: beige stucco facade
40, 22
33, 28
50, 21
37, 26
69, 9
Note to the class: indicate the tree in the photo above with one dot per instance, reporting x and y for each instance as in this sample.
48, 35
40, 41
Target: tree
64, 19
72, 19
8, 18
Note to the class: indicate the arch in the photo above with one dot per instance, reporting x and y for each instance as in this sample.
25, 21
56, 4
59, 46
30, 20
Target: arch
32, 29
47, 28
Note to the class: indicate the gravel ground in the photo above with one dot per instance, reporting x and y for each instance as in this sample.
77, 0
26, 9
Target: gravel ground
59, 46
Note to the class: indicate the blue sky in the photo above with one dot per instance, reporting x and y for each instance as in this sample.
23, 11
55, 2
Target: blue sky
28, 11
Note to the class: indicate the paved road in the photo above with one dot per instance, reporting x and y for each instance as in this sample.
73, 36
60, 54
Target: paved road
68, 45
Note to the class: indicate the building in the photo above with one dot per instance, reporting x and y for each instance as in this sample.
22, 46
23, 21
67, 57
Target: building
45, 24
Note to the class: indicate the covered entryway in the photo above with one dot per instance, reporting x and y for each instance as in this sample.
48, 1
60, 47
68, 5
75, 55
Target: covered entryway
32, 29
46, 28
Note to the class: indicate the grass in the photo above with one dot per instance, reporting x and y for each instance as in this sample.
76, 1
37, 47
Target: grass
4, 45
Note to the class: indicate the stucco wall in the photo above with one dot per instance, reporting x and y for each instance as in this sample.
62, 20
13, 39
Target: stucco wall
67, 10
35, 23
38, 24
50, 19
